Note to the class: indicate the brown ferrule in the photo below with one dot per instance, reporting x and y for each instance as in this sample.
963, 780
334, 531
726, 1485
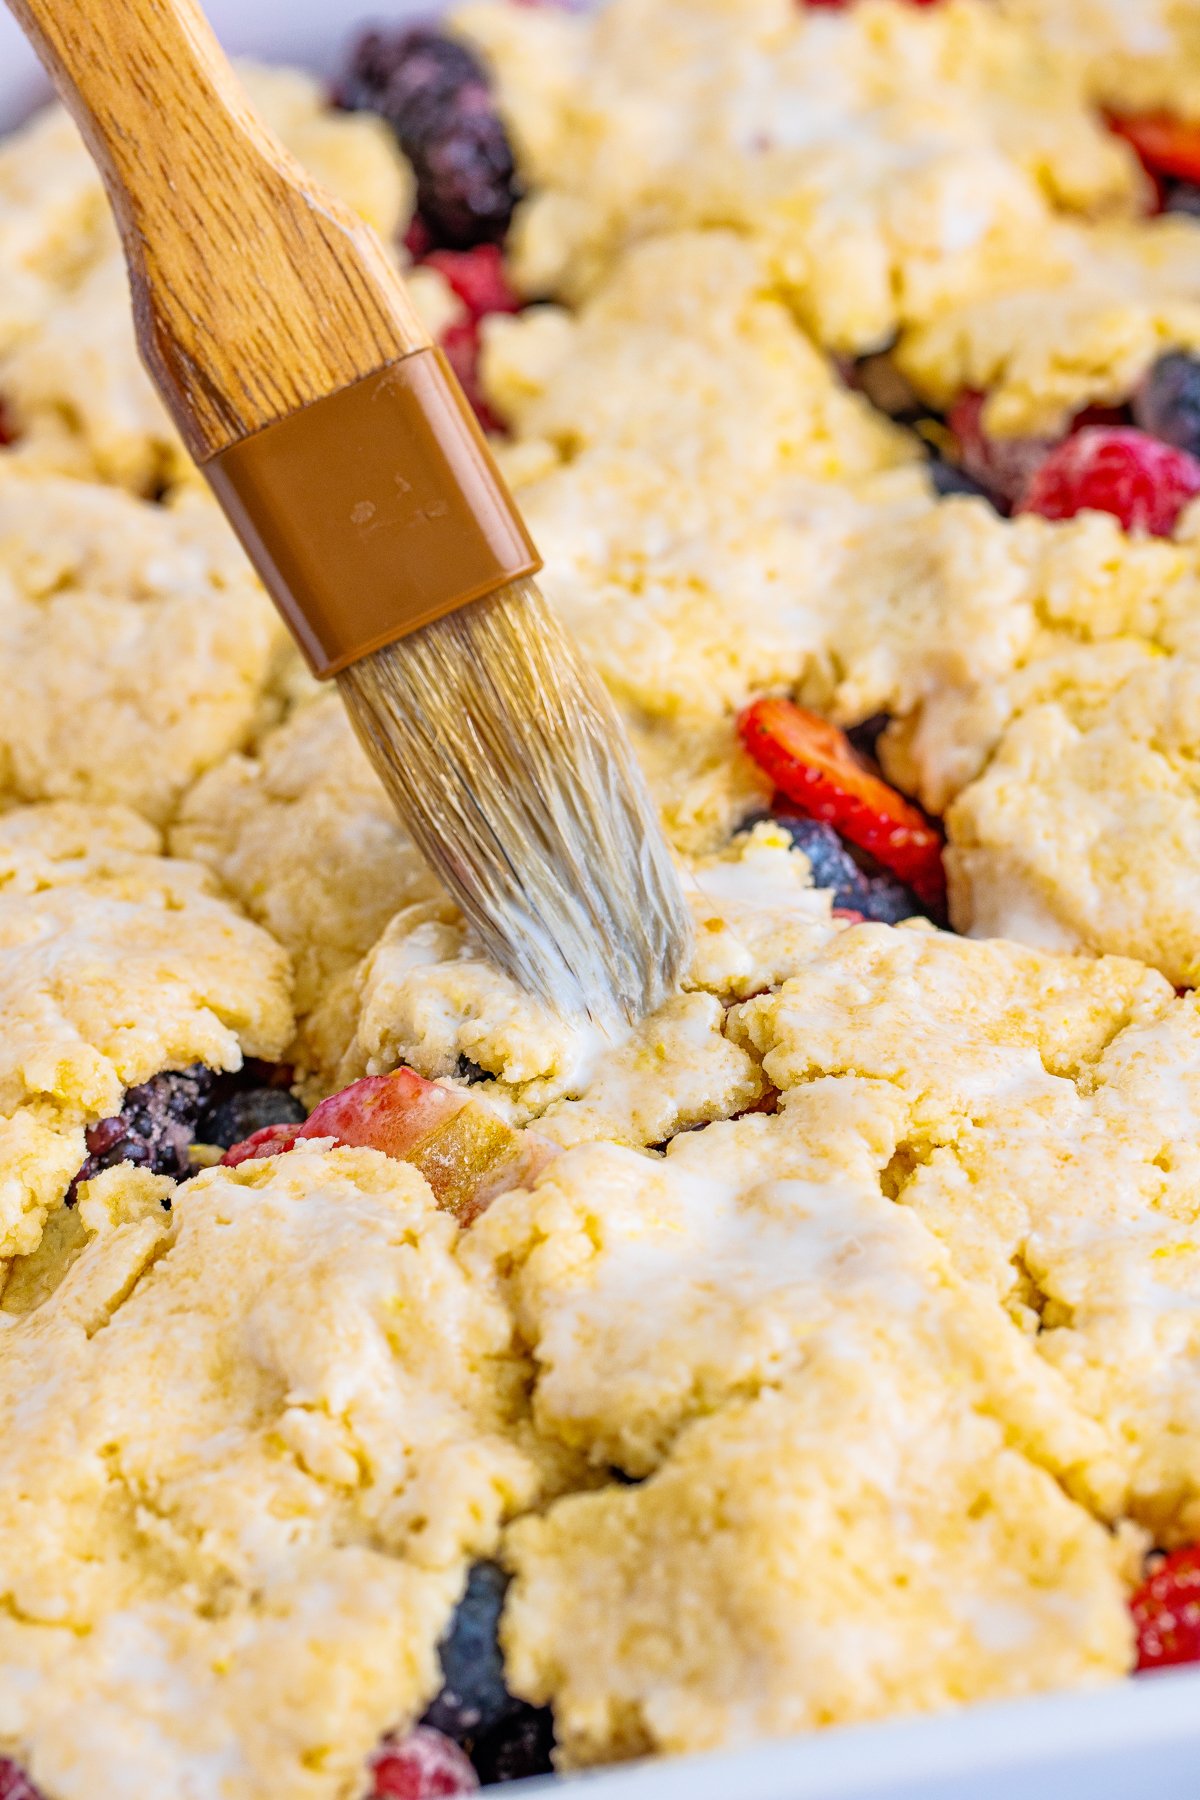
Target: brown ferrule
373, 511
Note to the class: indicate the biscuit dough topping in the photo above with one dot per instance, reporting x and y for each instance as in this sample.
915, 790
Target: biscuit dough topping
404, 1388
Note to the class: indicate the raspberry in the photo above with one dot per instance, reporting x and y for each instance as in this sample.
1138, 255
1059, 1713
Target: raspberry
477, 276
1002, 466
460, 345
14, 1783
1166, 1612
422, 1766
435, 94
1167, 404
1121, 471
815, 766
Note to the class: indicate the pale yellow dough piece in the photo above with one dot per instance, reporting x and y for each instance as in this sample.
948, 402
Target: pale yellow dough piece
891, 159
69, 370
250, 1447
1079, 327
424, 996
306, 838
1069, 786
1134, 55
115, 962
848, 1512
136, 647
1049, 1139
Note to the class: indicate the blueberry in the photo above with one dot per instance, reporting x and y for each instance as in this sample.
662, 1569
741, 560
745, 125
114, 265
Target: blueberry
466, 1070
240, 1115
1183, 197
1167, 404
946, 479
435, 94
506, 1738
870, 891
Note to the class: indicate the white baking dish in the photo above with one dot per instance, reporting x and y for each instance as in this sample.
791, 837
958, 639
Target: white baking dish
1139, 1740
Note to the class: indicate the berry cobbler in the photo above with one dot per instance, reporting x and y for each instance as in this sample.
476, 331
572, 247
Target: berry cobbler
404, 1388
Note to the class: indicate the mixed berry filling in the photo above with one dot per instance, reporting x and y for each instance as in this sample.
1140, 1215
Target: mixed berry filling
435, 94
506, 1739
1142, 482
161, 1120
815, 766
1166, 1612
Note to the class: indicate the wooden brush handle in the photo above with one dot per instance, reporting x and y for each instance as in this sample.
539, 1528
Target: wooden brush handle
255, 291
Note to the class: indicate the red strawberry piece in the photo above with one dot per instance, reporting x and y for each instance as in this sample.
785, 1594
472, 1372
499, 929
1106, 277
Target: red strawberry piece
1166, 1612
478, 278
1166, 145
465, 1151
14, 1783
272, 1140
422, 1766
1002, 465
391, 1113
460, 344
817, 767
1142, 482
849, 914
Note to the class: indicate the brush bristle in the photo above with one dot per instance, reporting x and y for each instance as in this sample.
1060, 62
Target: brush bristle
504, 756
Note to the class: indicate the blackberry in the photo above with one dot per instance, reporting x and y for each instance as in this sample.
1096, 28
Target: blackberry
1167, 404
240, 1115
506, 1738
155, 1127
435, 94
875, 895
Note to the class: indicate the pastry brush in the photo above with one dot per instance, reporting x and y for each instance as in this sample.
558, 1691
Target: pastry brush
340, 445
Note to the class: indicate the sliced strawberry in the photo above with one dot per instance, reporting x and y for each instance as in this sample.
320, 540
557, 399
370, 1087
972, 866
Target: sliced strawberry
465, 1151
272, 1140
425, 1765
816, 766
1166, 1612
1142, 482
1166, 145
478, 278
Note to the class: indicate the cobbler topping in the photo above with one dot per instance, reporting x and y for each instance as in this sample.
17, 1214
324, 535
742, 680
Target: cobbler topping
823, 1347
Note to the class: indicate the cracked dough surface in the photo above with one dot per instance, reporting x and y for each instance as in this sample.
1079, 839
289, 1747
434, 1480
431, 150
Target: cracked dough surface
137, 649
236, 1522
